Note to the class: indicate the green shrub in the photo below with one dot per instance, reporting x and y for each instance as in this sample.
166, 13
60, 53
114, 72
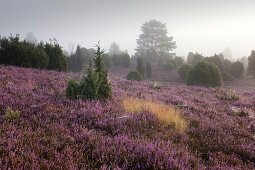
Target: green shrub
117, 60
223, 96
227, 65
216, 60
121, 59
183, 71
204, 74
237, 69
88, 85
140, 66
103, 86
227, 97
251, 64
95, 85
125, 60
193, 59
72, 90
226, 76
148, 69
156, 85
234, 97
134, 75
11, 115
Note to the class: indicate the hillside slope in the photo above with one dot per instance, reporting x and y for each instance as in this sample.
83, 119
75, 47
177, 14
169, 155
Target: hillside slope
55, 132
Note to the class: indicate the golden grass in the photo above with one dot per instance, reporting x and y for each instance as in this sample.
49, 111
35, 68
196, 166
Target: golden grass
167, 114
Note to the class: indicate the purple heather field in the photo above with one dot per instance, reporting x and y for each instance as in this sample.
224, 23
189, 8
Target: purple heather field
54, 132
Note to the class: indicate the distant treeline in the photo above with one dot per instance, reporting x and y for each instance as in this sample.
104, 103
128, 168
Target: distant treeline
78, 61
228, 69
209, 71
15, 52
25, 53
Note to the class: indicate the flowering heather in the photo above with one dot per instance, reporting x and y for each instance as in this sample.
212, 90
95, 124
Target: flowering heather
53, 132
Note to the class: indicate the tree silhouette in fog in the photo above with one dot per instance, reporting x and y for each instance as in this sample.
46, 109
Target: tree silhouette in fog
251, 64
154, 41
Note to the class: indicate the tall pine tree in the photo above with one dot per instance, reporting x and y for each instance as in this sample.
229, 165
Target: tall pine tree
103, 85
95, 85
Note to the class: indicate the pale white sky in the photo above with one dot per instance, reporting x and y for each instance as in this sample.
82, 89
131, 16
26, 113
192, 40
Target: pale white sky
204, 26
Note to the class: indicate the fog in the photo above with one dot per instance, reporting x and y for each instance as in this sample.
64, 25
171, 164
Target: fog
201, 26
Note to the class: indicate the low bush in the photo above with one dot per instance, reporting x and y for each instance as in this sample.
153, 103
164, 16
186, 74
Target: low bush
123, 59
194, 58
141, 66
134, 75
72, 89
204, 74
234, 97
12, 115
156, 85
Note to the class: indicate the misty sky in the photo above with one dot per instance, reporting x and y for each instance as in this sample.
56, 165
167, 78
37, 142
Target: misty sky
204, 26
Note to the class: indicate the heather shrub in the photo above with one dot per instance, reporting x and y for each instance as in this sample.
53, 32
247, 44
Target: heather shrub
148, 69
12, 115
134, 75
183, 71
204, 74
237, 69
56, 134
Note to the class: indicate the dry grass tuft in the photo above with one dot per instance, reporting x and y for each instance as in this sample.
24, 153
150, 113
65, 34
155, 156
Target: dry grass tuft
169, 115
